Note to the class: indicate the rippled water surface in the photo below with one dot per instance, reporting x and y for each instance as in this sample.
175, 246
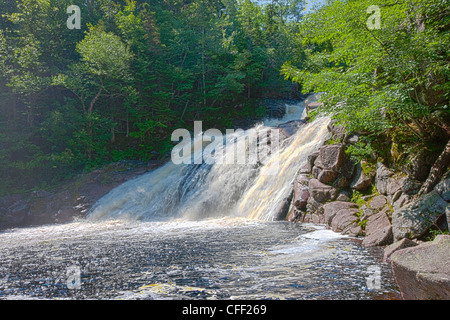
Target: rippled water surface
213, 259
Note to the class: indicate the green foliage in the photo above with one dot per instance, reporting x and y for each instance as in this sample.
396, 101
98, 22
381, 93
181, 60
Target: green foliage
383, 80
361, 150
357, 198
73, 100
433, 233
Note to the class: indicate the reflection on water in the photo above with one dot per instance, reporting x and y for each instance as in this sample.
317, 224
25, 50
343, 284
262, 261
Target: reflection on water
228, 258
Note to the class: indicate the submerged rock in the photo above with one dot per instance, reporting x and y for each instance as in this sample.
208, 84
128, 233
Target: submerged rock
423, 272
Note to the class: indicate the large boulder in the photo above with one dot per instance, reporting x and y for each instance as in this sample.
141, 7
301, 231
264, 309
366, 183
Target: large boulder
419, 164
321, 192
443, 187
401, 188
398, 245
378, 229
327, 176
310, 217
361, 181
378, 202
345, 222
310, 161
423, 272
377, 221
394, 187
330, 157
403, 200
414, 219
380, 237
331, 208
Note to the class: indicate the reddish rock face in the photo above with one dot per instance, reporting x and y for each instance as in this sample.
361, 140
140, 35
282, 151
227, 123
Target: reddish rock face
361, 181
330, 209
377, 222
402, 244
423, 272
345, 222
327, 176
321, 192
379, 237
330, 157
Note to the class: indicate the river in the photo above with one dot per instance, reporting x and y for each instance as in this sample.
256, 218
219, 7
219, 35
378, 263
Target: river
199, 231
225, 258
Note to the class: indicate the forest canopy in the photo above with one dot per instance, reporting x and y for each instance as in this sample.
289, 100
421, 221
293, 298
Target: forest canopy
390, 82
75, 99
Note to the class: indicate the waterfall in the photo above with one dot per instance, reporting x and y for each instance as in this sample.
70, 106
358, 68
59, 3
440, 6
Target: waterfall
198, 191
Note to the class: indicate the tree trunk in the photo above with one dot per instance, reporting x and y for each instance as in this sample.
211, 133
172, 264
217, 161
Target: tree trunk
91, 105
437, 170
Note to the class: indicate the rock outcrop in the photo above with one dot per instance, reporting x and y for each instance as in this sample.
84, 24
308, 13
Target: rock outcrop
413, 220
382, 178
386, 212
321, 192
401, 244
361, 181
423, 272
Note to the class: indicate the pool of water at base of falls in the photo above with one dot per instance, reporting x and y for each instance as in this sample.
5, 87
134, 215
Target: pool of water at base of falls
222, 258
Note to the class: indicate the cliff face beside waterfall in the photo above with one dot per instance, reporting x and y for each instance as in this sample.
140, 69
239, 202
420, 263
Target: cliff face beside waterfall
383, 207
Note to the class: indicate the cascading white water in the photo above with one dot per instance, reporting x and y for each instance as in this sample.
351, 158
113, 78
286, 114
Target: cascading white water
197, 191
